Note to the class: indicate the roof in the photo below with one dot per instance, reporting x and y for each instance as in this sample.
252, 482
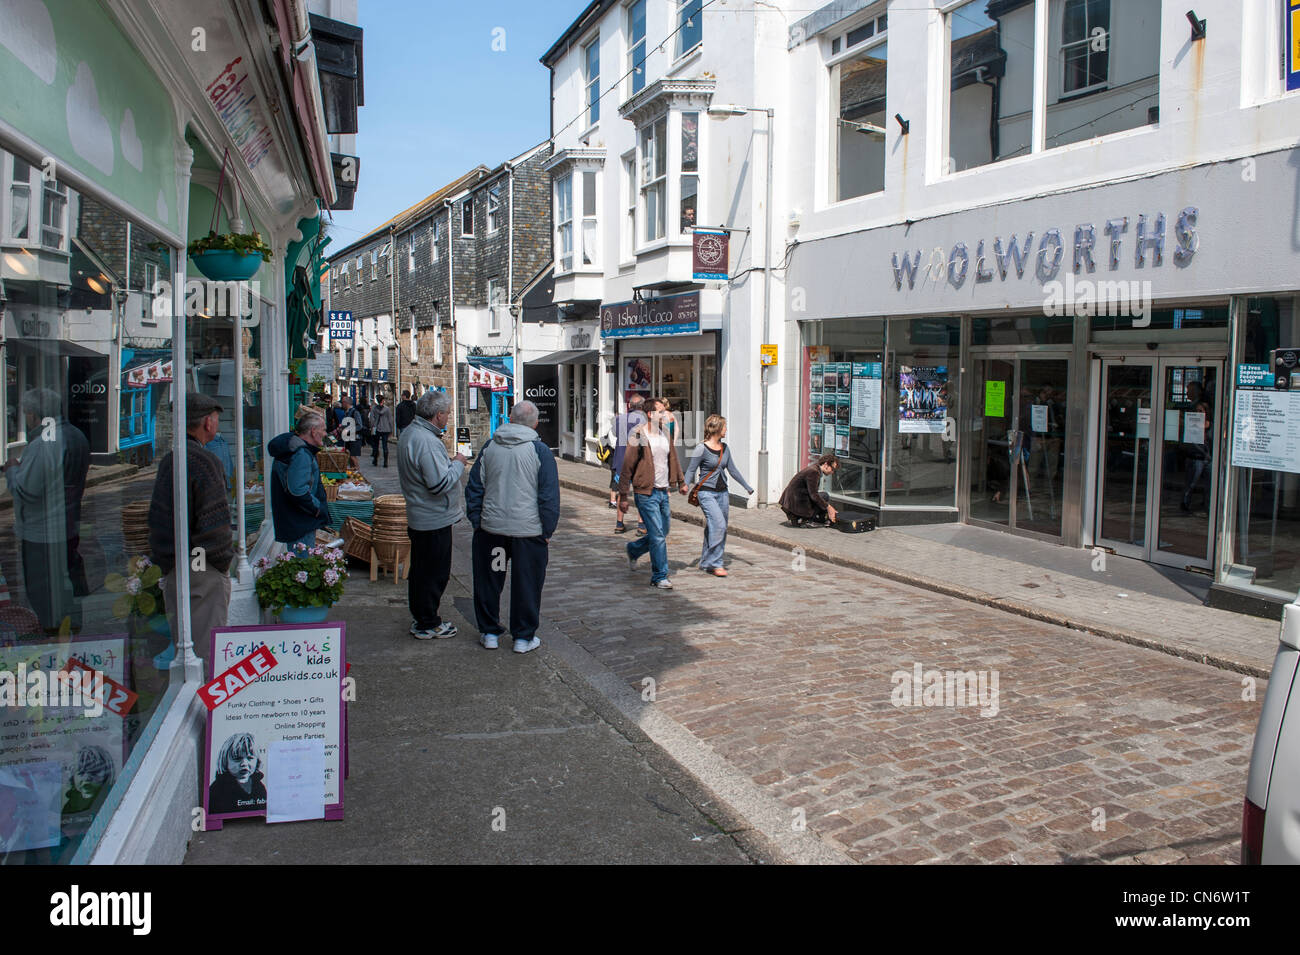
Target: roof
415, 212
590, 15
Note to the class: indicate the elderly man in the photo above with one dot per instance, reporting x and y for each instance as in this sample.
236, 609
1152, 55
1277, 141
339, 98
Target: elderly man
47, 485
431, 484
209, 523
513, 501
298, 507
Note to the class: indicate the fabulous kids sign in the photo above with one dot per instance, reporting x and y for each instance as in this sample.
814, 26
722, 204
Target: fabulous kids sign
277, 724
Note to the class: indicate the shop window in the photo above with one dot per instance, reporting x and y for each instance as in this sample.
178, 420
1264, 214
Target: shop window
654, 175
1092, 93
564, 222
636, 47
690, 25
591, 77
690, 180
494, 209
69, 551
859, 84
590, 223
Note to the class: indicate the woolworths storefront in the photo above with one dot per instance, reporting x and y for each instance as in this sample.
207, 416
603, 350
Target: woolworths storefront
118, 131
1065, 368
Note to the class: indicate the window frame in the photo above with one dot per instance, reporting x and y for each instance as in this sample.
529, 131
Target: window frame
564, 222
37, 190
435, 235
629, 195
591, 84
633, 85
834, 65
588, 178
494, 209
656, 184
467, 207
680, 18
683, 174
494, 315
1085, 42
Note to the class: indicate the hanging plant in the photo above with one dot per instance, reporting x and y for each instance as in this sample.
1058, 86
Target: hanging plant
245, 243
228, 256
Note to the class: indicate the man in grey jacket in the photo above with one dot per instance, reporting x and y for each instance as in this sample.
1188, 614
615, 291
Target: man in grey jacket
431, 484
513, 501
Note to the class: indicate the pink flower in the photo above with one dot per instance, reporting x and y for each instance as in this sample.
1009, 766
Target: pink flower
301, 576
133, 585
331, 576
286, 556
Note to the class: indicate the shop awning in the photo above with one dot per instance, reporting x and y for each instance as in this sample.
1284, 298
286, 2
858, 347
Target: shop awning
581, 357
55, 346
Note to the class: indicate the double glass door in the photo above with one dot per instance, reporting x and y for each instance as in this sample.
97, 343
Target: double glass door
1158, 459
1017, 474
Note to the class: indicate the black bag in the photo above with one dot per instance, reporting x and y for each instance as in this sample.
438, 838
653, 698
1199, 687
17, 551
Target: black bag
855, 522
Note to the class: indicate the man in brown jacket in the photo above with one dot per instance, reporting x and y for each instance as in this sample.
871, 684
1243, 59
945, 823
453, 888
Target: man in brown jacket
650, 468
803, 504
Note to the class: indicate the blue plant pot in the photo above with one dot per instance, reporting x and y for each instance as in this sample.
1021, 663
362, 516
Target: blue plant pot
226, 265
304, 614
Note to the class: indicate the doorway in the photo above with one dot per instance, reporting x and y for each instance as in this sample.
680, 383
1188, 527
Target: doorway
1157, 458
1018, 422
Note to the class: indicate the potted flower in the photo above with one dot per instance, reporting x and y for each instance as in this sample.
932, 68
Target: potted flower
141, 601
302, 584
230, 256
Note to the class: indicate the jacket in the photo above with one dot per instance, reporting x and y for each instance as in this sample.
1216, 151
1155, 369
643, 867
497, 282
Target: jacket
48, 483
297, 494
209, 510
381, 419
514, 486
638, 473
226, 795
405, 413
801, 497
430, 478
621, 428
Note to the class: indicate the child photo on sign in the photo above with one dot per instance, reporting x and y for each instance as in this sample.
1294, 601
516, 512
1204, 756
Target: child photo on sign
237, 786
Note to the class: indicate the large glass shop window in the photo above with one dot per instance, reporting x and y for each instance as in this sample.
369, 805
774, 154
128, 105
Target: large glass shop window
1267, 537
844, 379
85, 638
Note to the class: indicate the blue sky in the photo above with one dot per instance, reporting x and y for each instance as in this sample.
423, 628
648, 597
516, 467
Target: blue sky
440, 100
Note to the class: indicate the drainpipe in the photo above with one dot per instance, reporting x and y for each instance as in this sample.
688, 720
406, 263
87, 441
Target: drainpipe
451, 318
516, 317
392, 296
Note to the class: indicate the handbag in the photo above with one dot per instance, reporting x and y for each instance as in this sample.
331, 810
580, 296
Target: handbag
693, 499
604, 452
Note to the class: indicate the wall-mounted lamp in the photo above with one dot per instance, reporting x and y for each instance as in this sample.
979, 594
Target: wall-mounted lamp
867, 129
1198, 26
907, 127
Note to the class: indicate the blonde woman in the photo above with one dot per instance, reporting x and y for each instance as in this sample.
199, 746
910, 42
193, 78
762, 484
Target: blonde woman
712, 459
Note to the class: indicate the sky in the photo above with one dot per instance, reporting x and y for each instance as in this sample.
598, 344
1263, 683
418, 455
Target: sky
440, 100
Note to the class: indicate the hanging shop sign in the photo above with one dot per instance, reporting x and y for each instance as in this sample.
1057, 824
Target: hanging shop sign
1265, 421
710, 254
277, 726
674, 315
342, 328
1292, 12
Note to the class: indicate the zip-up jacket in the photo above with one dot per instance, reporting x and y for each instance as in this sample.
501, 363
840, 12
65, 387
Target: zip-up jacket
514, 486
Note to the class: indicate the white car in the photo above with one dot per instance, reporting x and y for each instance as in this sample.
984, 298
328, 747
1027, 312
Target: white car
1270, 821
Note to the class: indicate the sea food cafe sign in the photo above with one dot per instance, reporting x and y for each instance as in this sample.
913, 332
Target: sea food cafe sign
1145, 240
674, 315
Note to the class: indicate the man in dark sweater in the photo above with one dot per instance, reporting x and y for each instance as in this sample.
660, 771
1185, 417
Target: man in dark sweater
209, 523
405, 411
801, 500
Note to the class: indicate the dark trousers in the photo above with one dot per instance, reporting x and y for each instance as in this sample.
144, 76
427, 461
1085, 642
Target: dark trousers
528, 557
430, 571
377, 439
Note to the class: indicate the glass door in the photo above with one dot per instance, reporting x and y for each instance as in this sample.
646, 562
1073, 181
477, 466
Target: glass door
1017, 477
1159, 506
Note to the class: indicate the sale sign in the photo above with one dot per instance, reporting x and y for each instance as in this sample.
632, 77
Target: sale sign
275, 686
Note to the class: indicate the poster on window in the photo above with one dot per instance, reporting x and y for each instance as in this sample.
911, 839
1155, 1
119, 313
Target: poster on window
922, 398
64, 737
865, 393
637, 378
842, 440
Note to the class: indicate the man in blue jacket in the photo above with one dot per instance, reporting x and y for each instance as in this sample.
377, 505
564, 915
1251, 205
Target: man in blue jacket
513, 501
297, 495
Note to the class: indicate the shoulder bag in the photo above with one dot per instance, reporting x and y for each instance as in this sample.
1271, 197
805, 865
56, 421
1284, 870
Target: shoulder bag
693, 499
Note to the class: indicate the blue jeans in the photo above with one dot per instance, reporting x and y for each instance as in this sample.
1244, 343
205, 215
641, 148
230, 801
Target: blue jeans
308, 539
654, 510
716, 506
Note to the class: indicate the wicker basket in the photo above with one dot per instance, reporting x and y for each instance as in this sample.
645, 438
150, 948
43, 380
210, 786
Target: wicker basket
356, 539
331, 492
333, 459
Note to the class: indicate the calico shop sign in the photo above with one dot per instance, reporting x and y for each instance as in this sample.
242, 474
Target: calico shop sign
674, 315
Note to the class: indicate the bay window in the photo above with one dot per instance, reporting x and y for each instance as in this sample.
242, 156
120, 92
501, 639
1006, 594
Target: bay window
654, 172
690, 181
590, 231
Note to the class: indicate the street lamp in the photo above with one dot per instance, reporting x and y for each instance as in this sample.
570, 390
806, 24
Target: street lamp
725, 111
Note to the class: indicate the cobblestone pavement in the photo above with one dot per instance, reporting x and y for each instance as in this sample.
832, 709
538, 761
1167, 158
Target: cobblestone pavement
1093, 750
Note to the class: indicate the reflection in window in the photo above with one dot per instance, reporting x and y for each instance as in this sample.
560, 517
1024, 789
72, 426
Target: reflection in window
979, 103
860, 92
1090, 92
690, 184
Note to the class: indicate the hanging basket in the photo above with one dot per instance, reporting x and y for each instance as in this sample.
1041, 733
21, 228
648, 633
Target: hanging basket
227, 265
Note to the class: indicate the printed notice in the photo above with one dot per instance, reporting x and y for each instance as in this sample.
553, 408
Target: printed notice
1173, 421
865, 411
1038, 418
1144, 423
1193, 427
995, 393
295, 780
1266, 431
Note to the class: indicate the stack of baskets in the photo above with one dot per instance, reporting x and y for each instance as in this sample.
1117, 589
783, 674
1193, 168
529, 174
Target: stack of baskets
135, 528
392, 546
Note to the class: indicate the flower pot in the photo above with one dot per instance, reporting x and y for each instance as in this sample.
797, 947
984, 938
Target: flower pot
304, 614
227, 265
